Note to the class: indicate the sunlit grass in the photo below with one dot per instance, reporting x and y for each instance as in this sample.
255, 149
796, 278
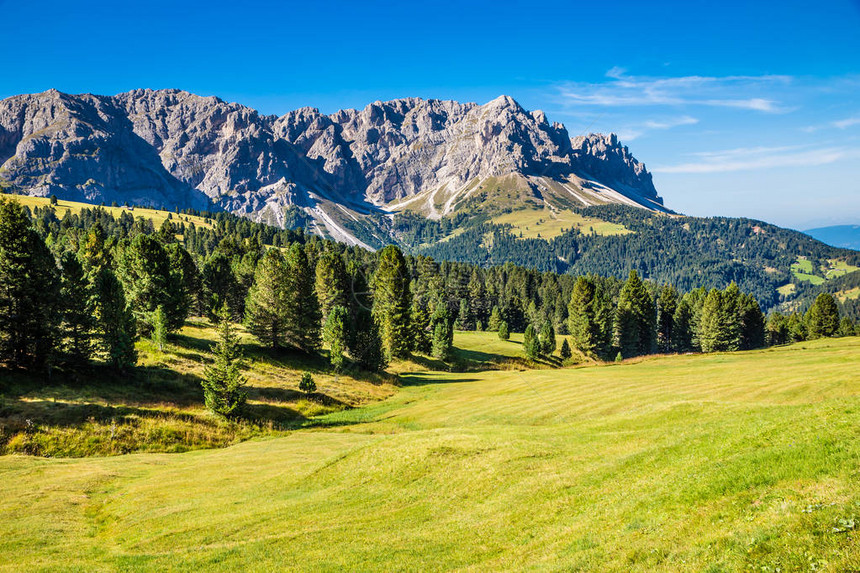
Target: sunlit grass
723, 462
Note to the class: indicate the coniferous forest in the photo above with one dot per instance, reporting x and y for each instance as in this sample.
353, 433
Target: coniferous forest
84, 287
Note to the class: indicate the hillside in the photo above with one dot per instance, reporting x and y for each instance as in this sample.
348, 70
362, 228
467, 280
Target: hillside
684, 463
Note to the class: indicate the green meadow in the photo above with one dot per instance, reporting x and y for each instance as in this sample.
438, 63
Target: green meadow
725, 462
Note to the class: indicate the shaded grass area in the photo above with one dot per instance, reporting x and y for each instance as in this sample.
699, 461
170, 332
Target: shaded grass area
158, 407
725, 462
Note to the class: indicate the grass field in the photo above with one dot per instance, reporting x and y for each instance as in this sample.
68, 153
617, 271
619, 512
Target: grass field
724, 462
548, 223
159, 407
157, 216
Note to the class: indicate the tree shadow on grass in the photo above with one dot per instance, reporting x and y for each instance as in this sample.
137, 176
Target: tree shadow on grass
426, 378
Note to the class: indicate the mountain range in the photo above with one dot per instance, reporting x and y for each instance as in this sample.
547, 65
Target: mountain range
487, 184
339, 173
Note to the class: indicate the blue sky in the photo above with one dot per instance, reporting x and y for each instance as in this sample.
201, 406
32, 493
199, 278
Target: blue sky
739, 108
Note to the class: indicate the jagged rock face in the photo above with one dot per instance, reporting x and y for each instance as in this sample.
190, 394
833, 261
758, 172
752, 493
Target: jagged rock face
82, 148
169, 147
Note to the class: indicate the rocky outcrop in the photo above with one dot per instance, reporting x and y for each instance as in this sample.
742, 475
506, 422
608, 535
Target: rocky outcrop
169, 147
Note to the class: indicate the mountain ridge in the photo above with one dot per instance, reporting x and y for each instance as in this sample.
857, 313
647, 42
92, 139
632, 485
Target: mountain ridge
174, 148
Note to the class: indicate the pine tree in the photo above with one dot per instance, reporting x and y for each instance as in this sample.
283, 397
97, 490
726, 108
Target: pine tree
495, 320
186, 276
76, 298
265, 309
29, 291
719, 323
777, 329
220, 287
531, 343
752, 321
302, 310
114, 320
547, 338
420, 328
464, 316
846, 327
588, 319
565, 351
635, 319
796, 327
443, 332
147, 280
392, 301
332, 284
159, 328
504, 334
223, 380
667, 305
822, 318
335, 334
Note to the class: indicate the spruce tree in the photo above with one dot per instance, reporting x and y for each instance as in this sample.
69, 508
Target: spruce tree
547, 338
495, 320
76, 299
636, 318
332, 283
186, 277
29, 291
504, 333
392, 301
777, 329
148, 282
265, 309
531, 343
420, 328
588, 319
114, 320
302, 310
667, 305
335, 334
752, 323
223, 380
796, 327
443, 332
220, 287
846, 327
159, 328
565, 351
719, 323
464, 316
822, 318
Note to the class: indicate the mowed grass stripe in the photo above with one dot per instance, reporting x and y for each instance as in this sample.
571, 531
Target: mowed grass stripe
687, 463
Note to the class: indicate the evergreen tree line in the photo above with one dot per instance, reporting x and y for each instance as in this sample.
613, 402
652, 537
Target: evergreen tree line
85, 286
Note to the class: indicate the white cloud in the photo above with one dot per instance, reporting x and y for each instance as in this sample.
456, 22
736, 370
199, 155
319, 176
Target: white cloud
622, 90
637, 130
839, 124
847, 122
751, 158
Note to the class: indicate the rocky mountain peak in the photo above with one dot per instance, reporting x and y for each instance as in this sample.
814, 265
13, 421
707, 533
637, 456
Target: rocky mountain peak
171, 147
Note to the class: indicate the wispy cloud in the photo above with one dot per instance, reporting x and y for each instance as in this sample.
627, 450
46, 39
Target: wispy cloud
623, 90
637, 130
838, 124
751, 158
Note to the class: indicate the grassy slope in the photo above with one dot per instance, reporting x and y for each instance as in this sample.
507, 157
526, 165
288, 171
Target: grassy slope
548, 223
159, 407
158, 216
693, 463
